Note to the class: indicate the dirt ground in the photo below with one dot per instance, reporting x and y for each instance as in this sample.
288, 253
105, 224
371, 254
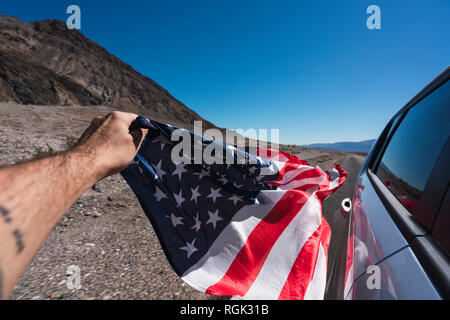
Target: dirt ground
105, 232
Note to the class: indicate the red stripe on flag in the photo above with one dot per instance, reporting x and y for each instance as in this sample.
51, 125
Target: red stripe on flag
292, 162
302, 271
310, 173
248, 262
325, 236
349, 261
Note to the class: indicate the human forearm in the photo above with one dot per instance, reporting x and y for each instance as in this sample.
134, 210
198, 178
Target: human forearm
33, 197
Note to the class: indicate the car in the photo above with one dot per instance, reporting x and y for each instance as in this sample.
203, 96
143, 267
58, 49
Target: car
391, 239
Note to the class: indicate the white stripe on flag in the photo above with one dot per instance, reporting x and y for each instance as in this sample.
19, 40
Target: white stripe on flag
288, 176
301, 182
316, 288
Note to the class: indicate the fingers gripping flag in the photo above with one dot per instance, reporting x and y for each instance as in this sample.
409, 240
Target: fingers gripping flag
229, 229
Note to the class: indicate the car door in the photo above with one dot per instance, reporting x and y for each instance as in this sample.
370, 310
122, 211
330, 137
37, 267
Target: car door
401, 190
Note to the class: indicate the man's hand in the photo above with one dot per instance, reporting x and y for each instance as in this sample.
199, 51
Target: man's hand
111, 142
34, 195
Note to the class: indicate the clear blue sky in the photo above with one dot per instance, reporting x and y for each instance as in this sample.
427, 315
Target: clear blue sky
310, 68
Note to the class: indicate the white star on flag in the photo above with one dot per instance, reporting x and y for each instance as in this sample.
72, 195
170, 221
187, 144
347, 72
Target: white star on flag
189, 248
235, 198
179, 198
215, 193
159, 194
202, 174
213, 218
179, 171
158, 169
195, 194
176, 220
223, 179
197, 224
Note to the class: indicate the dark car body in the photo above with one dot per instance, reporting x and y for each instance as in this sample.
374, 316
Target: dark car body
393, 239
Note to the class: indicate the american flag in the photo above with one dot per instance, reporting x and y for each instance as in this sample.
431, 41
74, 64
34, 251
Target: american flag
229, 229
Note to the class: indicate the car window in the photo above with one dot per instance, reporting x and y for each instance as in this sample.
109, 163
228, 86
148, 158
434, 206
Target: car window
415, 146
386, 134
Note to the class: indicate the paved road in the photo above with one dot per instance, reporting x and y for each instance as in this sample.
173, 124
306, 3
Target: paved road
331, 211
352, 164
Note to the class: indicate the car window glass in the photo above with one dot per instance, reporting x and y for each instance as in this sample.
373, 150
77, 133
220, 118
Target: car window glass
392, 126
415, 147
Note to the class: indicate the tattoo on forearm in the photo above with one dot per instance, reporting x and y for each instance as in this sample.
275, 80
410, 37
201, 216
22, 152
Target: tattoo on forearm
19, 240
5, 214
17, 234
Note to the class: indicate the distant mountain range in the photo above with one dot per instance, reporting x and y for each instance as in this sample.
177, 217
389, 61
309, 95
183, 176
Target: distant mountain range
359, 146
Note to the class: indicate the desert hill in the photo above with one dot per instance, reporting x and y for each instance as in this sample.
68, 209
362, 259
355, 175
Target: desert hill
45, 63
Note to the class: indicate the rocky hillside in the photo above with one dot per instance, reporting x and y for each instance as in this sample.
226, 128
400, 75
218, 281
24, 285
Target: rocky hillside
45, 63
